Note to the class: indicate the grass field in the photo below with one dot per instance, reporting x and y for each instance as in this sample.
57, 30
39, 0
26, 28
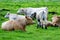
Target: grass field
32, 33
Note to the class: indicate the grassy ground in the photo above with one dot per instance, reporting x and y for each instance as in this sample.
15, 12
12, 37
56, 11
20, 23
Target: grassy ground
32, 33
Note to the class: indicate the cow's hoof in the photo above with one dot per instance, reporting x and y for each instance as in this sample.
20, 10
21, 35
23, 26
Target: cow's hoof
45, 27
42, 27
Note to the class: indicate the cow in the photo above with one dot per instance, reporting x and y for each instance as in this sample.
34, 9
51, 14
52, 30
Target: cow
31, 11
41, 18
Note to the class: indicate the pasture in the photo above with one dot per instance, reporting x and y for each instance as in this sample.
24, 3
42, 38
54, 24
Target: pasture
32, 33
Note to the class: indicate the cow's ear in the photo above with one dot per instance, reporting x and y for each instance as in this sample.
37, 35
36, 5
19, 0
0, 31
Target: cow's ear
26, 17
8, 13
22, 9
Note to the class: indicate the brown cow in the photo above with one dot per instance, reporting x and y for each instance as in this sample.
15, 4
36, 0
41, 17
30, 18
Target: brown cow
17, 25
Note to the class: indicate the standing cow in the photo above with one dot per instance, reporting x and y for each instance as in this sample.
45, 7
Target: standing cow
41, 17
31, 11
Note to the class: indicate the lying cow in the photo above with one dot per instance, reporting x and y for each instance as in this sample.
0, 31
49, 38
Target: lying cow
16, 22
56, 20
13, 25
19, 17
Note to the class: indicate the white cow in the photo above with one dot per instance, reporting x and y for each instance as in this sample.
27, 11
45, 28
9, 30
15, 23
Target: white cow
31, 11
13, 16
41, 17
19, 17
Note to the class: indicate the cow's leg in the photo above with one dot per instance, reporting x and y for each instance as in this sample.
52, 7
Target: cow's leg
45, 27
42, 26
44, 23
39, 23
44, 18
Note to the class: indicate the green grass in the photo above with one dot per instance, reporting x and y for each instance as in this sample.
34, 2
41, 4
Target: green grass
32, 33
